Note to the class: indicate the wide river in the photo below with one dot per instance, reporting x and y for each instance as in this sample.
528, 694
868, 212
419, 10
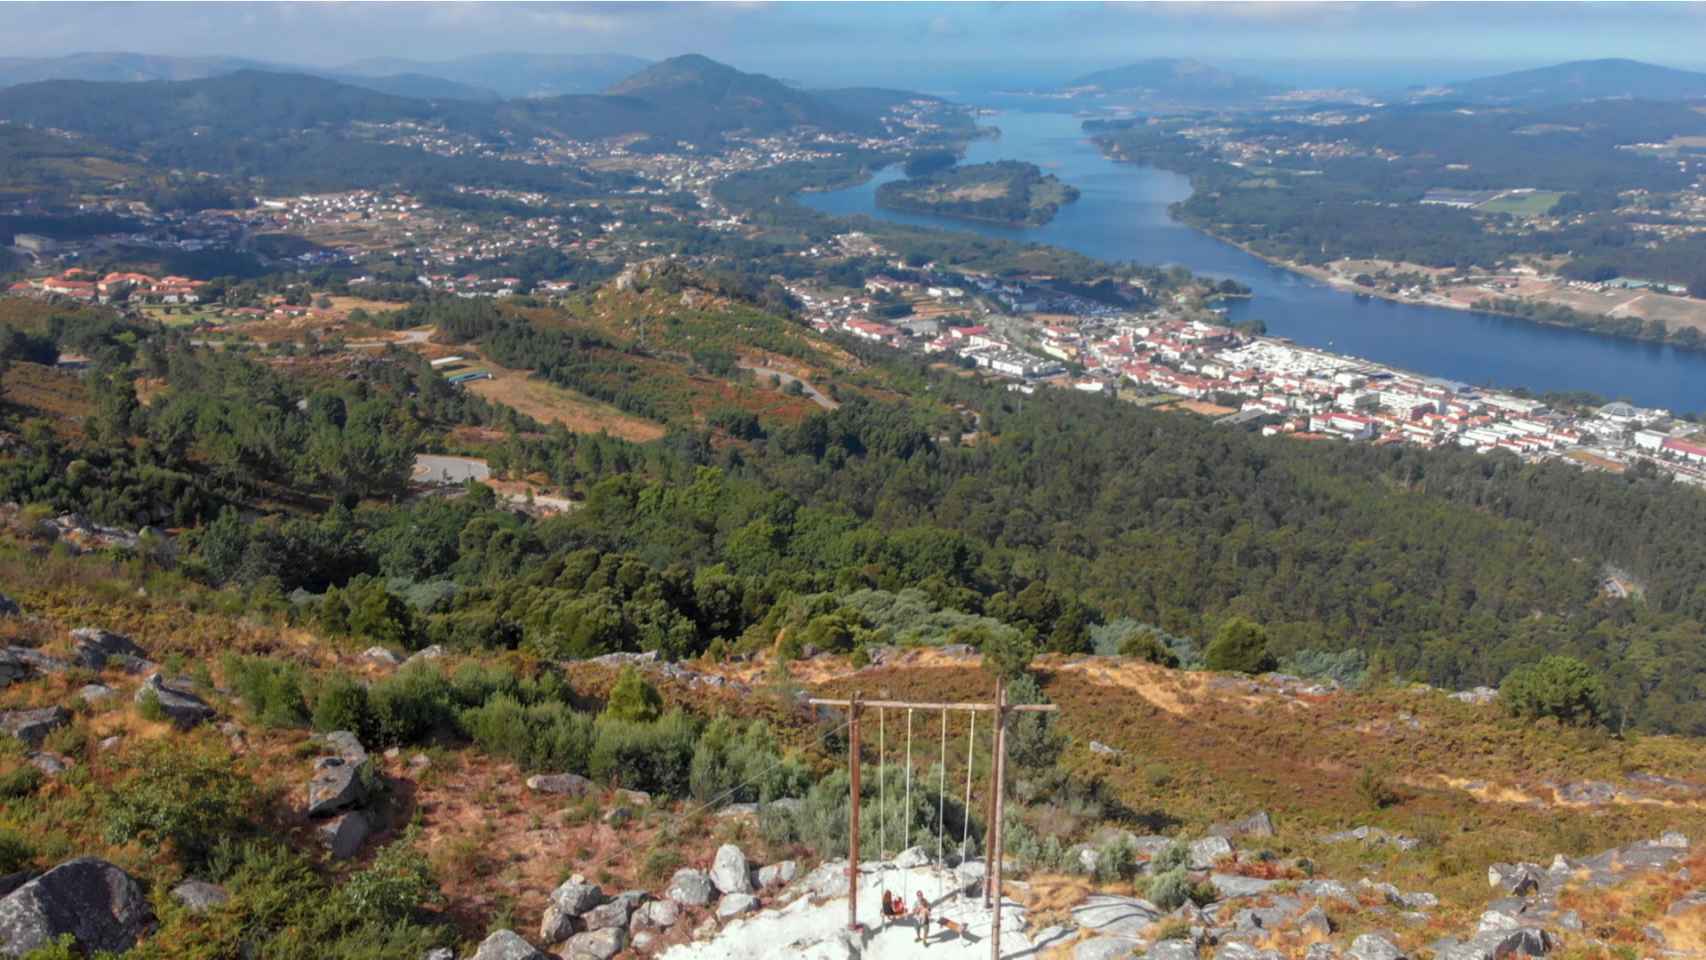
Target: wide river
1122, 215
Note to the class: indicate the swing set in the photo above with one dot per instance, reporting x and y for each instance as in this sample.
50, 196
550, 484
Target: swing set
893, 908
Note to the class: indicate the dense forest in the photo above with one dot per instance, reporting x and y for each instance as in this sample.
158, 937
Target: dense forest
1076, 511
1009, 192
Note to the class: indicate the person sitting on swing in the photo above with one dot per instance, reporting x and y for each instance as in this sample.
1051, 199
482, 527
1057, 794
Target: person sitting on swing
892, 907
921, 913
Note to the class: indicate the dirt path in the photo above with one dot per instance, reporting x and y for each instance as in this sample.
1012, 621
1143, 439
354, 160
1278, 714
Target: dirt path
787, 378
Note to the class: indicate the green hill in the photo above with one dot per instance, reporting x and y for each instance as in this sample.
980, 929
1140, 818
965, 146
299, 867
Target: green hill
1588, 80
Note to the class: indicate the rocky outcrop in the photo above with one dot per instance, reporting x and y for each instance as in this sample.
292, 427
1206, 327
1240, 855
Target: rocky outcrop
507, 945
1208, 851
596, 944
33, 726
199, 896
343, 835
22, 663
97, 649
1373, 946
1257, 824
563, 784
337, 784
100, 906
177, 700
730, 872
693, 888
777, 874
564, 908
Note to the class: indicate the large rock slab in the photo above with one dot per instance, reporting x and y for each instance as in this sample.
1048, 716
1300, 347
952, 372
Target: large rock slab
178, 701
692, 888
778, 874
1104, 948
1172, 950
1498, 945
1231, 885
1257, 824
730, 872
1115, 916
99, 905
507, 945
95, 647
344, 834
33, 726
22, 663
337, 784
608, 915
199, 896
1373, 946
1208, 851
562, 784
735, 904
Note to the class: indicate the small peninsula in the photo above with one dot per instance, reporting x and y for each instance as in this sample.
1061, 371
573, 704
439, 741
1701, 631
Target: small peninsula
1006, 192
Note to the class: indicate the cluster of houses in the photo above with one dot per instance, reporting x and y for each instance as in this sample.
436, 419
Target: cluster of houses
79, 284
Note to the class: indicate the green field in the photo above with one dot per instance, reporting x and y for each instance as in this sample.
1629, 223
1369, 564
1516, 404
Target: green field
1533, 204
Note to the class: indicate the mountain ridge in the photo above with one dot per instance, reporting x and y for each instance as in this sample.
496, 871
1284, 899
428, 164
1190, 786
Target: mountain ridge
1606, 78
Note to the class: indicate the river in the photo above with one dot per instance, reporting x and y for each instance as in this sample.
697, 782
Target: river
1121, 215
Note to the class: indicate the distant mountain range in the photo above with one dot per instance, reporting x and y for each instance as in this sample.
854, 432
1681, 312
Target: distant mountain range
514, 74
1585, 80
1176, 81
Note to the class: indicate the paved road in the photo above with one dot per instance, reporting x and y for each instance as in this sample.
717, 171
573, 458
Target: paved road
435, 468
787, 378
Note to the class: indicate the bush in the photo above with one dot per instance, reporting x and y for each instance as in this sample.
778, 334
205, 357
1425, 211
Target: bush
188, 797
341, 704
732, 765
656, 757
1007, 652
1176, 855
18, 784
633, 699
15, 852
393, 887
542, 736
1375, 790
1172, 889
1559, 687
1241, 646
271, 690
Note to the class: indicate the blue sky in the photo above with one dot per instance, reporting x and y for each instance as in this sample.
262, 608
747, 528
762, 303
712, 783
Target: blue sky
915, 44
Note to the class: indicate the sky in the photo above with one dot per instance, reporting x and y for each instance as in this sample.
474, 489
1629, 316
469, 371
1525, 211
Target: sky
916, 44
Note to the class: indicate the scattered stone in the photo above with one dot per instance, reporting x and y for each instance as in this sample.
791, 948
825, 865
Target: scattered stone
1315, 921
1102, 749
426, 653
22, 663
109, 743
347, 745
1587, 792
336, 785
506, 945
567, 785
830, 879
1672, 839
638, 798
344, 834
99, 905
381, 656
567, 903
1238, 950
1105, 948
1107, 915
94, 692
778, 874
1497, 945
1231, 885
692, 888
735, 904
596, 944
439, 953
1326, 890
608, 915
729, 871
96, 646
1257, 824
9, 607
1172, 950
1321, 951
50, 764
643, 940
177, 700
1208, 851
662, 914
1373, 946
1478, 696
1516, 879
1372, 835
33, 726
199, 896
912, 858
706, 929
420, 761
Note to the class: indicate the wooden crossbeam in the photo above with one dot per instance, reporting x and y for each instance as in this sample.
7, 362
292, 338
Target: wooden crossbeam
925, 705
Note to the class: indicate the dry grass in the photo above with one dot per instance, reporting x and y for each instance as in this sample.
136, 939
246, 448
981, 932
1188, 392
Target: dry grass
549, 403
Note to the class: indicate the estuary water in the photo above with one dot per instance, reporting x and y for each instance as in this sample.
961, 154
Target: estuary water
1121, 215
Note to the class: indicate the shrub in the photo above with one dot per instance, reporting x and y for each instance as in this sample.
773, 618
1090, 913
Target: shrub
1559, 687
743, 766
394, 886
15, 852
408, 706
341, 704
542, 736
1172, 889
149, 707
1116, 860
173, 793
633, 699
1241, 646
1176, 855
1375, 790
270, 689
1007, 652
18, 784
656, 757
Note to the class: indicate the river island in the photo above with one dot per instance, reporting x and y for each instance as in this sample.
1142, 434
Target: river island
1008, 192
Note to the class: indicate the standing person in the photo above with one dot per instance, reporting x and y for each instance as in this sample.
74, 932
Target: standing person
921, 913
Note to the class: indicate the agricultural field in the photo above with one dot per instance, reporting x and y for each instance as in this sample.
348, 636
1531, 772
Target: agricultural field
1532, 204
548, 403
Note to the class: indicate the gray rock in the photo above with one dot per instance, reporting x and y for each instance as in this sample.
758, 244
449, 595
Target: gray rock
99, 905
643, 940
662, 914
1230, 885
638, 798
1270, 917
608, 915
506, 945
1479, 696
381, 656
1172, 950
50, 764
22, 663
1315, 921
177, 700
33, 726
912, 857
199, 896
729, 871
1373, 946
1257, 824
94, 692
1497, 945
347, 745
109, 743
563, 784
618, 816
9, 607
1109, 915
1321, 951
424, 654
1516, 879
1235, 950
1045, 940
343, 835
1105, 948
1326, 890
566, 904
13, 881
336, 785
439, 953
1587, 792
778, 874
1672, 839
735, 904
596, 944
1101, 749
95, 646
1208, 851
692, 888
830, 879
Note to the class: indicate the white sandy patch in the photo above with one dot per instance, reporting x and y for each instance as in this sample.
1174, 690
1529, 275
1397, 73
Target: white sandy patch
803, 930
